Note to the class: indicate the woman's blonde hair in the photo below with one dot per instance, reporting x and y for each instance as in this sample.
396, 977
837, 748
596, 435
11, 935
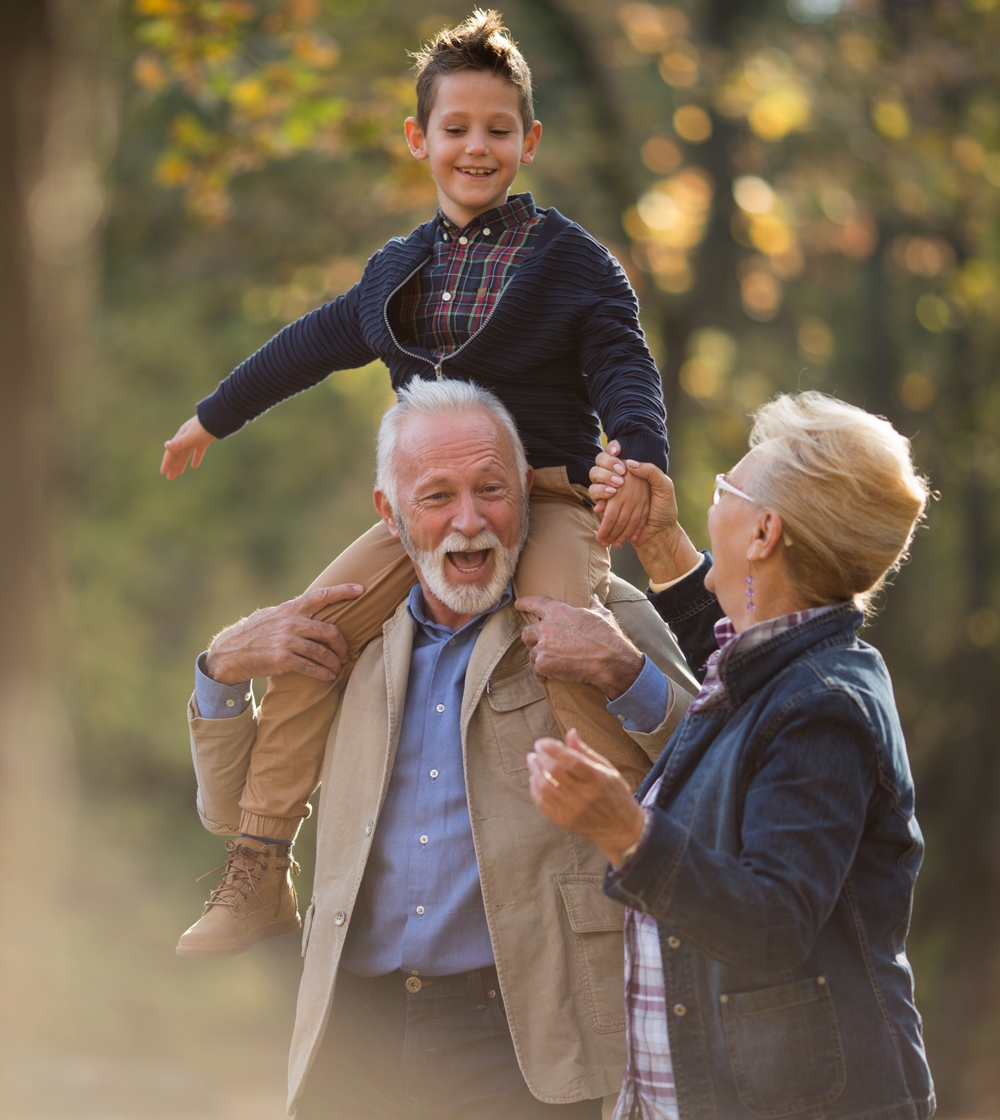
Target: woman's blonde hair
844, 484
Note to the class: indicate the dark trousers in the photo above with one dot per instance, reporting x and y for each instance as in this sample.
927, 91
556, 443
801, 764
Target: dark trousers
441, 1053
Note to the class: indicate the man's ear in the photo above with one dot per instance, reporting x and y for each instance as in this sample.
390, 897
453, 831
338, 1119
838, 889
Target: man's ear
384, 510
415, 139
531, 138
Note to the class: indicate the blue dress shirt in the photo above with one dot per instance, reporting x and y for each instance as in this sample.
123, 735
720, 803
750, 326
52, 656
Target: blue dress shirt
420, 907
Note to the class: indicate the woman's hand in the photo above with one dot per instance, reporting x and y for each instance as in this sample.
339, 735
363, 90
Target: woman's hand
582, 792
191, 442
663, 547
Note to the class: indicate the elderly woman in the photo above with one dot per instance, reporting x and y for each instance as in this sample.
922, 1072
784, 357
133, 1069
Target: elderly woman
767, 863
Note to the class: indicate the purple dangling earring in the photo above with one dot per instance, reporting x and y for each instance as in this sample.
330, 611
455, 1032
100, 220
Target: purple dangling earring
751, 605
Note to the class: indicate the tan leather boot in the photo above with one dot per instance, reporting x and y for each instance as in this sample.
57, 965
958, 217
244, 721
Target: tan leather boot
254, 900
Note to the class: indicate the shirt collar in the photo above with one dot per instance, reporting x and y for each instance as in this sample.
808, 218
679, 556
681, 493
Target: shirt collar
730, 643
416, 606
517, 210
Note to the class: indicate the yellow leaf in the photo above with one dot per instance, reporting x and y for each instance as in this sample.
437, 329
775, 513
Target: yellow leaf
173, 170
148, 72
778, 112
157, 7
891, 119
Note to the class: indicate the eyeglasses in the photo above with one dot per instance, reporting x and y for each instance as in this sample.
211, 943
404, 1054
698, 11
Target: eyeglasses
721, 484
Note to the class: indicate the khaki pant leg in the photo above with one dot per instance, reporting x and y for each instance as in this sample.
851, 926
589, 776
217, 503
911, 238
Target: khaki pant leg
296, 712
563, 560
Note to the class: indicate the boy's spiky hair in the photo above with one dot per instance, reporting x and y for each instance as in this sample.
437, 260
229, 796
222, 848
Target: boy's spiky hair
479, 43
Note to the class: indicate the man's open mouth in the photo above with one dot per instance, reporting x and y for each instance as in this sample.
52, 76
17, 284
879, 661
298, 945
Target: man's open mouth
469, 563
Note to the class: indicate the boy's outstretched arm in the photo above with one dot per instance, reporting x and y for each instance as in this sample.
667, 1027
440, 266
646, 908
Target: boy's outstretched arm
190, 442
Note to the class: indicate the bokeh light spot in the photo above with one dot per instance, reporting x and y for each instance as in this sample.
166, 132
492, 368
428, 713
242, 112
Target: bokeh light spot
916, 391
692, 124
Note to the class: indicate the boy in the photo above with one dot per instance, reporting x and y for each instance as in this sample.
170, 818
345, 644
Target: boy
492, 290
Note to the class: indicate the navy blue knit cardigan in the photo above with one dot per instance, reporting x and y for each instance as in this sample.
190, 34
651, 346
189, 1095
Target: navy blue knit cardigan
562, 347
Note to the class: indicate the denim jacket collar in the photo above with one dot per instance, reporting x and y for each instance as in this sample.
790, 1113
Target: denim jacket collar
747, 671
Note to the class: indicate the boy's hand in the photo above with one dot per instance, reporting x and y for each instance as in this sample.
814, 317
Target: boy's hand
190, 442
625, 504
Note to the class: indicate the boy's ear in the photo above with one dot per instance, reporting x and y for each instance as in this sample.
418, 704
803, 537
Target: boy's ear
531, 138
415, 138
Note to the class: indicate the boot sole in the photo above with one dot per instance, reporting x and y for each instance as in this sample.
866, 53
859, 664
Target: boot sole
278, 930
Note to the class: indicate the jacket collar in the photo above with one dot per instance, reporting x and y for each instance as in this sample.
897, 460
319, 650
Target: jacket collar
748, 670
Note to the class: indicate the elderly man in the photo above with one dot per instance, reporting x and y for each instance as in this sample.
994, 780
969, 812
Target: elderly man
460, 958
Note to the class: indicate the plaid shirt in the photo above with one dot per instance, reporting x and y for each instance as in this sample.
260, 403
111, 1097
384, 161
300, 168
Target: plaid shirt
452, 296
648, 1092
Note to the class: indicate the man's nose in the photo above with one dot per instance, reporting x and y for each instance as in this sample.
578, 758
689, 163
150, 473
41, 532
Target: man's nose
468, 518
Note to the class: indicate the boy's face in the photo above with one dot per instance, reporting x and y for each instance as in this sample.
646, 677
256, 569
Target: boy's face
475, 142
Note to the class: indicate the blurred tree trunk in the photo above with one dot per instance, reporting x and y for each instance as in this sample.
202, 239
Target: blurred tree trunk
49, 203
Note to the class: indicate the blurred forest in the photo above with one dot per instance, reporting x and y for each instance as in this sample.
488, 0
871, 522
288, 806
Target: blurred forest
805, 194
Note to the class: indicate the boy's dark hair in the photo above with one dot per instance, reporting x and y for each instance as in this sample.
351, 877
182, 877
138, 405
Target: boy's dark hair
479, 43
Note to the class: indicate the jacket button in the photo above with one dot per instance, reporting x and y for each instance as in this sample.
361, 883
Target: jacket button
339, 918
821, 980
680, 1010
674, 942
723, 999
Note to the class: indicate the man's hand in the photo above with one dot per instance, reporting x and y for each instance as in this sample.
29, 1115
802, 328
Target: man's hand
582, 792
283, 639
578, 644
663, 547
191, 442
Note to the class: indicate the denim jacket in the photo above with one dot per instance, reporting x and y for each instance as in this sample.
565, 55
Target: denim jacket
780, 866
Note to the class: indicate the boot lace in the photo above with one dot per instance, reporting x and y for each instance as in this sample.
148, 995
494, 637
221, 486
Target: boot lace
240, 877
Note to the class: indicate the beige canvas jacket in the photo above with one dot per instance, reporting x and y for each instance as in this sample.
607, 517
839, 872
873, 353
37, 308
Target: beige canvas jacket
556, 938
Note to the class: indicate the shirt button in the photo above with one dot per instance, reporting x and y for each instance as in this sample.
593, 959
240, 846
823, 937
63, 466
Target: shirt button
680, 1010
420, 909
444, 237
463, 241
621, 718
674, 942
423, 839
446, 296
339, 918
486, 232
230, 703
440, 708
434, 773
368, 828
451, 642
247, 697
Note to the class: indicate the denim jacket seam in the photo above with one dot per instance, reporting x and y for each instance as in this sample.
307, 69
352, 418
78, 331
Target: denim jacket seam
872, 979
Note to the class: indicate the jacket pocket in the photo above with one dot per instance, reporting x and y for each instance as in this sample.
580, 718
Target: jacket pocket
518, 715
307, 925
597, 922
784, 1047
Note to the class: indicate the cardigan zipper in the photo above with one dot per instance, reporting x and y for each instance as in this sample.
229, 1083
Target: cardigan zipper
438, 375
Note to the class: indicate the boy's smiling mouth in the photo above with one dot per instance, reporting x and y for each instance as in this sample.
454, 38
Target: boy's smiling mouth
478, 172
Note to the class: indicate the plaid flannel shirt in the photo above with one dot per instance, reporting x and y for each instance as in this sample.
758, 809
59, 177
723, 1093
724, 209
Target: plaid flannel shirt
453, 295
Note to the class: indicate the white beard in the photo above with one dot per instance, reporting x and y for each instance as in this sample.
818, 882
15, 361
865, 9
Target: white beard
433, 565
